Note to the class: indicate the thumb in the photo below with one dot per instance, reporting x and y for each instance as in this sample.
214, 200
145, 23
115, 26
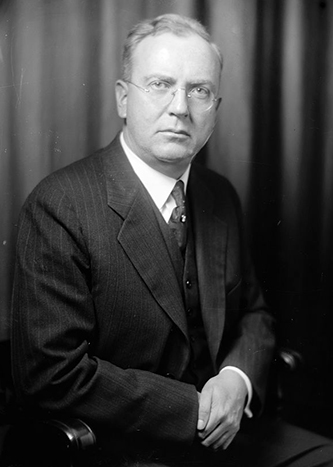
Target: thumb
204, 410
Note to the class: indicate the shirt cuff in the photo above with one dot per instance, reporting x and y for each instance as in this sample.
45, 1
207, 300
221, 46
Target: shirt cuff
248, 385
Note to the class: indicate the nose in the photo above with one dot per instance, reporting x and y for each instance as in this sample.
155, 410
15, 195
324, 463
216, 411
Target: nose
179, 103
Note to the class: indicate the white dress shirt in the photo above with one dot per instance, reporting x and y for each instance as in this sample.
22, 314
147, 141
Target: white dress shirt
159, 186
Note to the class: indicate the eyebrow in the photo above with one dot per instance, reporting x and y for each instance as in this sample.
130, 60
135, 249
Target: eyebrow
170, 79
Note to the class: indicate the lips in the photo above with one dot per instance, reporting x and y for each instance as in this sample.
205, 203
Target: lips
175, 132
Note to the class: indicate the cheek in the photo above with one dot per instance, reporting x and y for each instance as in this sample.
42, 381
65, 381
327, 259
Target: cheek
140, 113
134, 114
137, 125
205, 128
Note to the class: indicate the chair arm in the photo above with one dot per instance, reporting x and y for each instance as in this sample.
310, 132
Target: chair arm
51, 442
77, 435
289, 360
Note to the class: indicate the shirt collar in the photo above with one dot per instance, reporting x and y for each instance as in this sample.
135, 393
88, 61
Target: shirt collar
158, 185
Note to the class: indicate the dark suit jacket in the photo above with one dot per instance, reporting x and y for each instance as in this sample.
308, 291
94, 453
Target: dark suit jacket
99, 326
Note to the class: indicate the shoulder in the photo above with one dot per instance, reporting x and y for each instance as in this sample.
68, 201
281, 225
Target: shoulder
78, 179
216, 184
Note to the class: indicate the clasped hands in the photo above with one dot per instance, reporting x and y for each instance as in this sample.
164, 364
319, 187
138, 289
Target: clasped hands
221, 406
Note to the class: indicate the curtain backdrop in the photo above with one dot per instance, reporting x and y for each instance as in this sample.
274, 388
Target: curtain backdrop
274, 138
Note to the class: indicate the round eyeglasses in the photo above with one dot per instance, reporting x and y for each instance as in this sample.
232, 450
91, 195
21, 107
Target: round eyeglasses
200, 98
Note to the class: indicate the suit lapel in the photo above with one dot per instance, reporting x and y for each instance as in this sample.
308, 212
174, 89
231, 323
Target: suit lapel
210, 243
141, 236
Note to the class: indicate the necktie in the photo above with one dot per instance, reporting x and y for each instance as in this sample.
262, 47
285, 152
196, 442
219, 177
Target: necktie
177, 221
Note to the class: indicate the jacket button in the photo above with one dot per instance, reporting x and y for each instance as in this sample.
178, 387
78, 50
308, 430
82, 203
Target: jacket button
188, 284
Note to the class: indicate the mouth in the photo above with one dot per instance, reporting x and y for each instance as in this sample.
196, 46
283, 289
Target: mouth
175, 133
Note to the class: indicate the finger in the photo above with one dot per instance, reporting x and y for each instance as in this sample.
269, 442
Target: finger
220, 423
204, 410
214, 436
217, 424
221, 442
224, 441
228, 441
222, 436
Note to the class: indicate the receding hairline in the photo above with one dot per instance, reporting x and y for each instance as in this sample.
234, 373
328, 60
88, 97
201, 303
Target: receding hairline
181, 26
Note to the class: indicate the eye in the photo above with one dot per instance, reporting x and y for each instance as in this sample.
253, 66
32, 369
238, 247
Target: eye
200, 92
159, 86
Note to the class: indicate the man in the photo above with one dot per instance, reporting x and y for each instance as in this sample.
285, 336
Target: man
133, 309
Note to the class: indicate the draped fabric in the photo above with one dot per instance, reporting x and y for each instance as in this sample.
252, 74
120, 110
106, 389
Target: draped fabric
274, 137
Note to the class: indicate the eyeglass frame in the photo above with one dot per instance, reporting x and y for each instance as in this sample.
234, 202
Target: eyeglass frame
188, 94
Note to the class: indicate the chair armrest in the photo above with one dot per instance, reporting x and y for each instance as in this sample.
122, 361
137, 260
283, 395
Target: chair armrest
289, 360
77, 436
286, 363
51, 442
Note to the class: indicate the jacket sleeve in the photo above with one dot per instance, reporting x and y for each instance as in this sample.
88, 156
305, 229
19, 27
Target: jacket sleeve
53, 323
249, 340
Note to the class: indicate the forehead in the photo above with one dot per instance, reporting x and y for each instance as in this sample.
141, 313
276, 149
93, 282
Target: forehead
176, 56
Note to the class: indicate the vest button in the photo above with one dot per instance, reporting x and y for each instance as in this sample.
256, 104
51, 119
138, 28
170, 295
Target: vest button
189, 311
188, 284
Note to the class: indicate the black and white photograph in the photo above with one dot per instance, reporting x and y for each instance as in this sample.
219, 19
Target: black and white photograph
166, 233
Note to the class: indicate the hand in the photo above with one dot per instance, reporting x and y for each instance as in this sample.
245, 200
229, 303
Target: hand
221, 407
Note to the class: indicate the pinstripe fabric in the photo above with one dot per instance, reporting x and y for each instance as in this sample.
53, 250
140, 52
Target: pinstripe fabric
98, 317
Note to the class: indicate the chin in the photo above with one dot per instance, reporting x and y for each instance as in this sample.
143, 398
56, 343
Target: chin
175, 152
174, 158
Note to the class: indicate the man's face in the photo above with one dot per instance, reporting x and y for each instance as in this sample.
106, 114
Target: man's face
168, 136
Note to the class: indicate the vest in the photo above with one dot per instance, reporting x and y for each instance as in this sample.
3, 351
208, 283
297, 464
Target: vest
200, 367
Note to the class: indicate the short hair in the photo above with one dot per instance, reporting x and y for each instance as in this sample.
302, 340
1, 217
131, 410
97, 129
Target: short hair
176, 24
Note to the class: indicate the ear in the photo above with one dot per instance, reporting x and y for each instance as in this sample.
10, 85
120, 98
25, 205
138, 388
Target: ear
121, 98
219, 100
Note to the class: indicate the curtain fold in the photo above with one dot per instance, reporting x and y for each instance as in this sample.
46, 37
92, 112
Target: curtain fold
59, 61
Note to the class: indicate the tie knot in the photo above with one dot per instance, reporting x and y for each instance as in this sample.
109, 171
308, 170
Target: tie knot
178, 193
